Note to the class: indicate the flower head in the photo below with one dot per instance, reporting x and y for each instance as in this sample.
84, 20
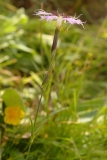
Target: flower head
51, 16
13, 115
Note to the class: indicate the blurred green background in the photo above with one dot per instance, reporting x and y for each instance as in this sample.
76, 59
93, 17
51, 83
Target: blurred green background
72, 121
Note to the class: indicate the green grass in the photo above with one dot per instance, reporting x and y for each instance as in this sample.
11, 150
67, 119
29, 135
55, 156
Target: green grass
71, 124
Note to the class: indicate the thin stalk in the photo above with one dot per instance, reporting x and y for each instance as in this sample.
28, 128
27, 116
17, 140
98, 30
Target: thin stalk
34, 126
46, 78
55, 41
53, 52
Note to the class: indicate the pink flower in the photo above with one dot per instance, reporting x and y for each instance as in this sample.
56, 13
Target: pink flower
50, 16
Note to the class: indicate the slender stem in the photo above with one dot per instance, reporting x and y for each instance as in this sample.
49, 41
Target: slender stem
34, 126
46, 78
53, 52
38, 109
55, 41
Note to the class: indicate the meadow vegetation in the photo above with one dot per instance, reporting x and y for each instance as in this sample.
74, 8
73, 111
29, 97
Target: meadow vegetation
71, 122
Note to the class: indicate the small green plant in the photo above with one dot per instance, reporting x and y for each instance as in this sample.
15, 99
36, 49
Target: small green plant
48, 76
